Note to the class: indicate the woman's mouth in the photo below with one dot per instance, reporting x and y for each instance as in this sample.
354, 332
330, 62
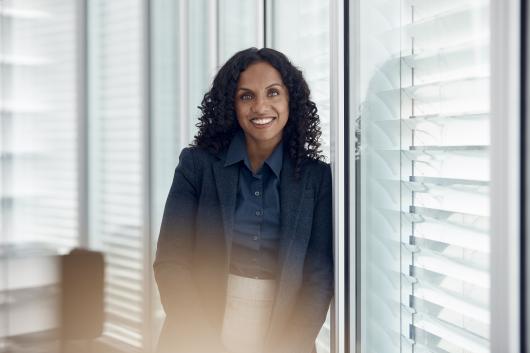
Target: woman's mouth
262, 122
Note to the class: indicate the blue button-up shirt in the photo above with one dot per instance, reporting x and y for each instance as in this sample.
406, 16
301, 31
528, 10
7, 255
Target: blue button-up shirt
256, 232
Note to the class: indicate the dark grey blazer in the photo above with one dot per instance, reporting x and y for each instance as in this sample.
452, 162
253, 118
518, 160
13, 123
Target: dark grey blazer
193, 253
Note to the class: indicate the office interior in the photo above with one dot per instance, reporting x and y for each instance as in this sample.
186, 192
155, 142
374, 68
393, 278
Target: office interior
423, 113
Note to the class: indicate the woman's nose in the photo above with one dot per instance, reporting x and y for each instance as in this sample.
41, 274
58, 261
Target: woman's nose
259, 106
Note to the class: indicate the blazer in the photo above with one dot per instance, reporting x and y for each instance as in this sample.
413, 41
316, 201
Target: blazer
194, 246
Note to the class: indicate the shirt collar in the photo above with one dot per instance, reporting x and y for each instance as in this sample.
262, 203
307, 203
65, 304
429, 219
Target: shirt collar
237, 151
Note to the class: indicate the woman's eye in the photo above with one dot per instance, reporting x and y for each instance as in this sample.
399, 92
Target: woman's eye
245, 96
273, 93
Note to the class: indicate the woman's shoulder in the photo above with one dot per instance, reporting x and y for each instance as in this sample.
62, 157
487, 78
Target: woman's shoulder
316, 165
197, 159
318, 173
197, 153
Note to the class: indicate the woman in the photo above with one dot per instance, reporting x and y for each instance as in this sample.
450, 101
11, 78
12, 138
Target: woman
244, 259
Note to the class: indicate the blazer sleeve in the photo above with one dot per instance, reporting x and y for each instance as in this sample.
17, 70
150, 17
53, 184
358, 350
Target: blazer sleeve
317, 286
172, 266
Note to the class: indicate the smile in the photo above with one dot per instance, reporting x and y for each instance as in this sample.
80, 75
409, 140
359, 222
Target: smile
262, 122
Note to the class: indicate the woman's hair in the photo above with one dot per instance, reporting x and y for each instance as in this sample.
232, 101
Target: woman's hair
218, 121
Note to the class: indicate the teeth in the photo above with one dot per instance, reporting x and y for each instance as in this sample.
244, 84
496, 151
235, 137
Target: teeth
262, 121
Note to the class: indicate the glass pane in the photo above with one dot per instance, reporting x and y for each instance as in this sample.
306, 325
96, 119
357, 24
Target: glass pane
422, 177
240, 26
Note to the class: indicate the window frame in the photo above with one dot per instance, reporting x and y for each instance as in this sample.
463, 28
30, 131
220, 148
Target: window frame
506, 230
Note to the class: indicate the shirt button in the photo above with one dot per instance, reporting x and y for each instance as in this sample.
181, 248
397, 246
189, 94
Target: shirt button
259, 213
255, 237
257, 193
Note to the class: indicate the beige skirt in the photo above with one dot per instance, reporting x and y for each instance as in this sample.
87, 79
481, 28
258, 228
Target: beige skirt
248, 309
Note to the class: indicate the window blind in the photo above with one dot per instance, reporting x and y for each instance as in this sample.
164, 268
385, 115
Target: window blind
427, 129
116, 163
38, 121
445, 93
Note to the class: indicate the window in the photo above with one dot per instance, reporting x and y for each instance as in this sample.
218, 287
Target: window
423, 184
241, 26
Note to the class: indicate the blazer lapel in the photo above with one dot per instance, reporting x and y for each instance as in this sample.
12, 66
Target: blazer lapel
226, 179
291, 194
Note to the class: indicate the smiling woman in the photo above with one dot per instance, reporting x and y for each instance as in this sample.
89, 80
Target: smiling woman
219, 121
244, 260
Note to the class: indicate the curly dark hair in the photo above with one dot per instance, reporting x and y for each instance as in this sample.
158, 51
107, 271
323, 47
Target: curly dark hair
218, 121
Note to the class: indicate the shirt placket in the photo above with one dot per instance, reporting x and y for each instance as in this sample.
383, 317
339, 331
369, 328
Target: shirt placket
257, 192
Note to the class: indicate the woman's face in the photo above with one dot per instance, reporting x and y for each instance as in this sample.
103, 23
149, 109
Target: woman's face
262, 104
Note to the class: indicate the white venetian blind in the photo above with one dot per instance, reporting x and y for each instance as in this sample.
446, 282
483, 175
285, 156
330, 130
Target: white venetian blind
116, 162
38, 122
444, 176
427, 184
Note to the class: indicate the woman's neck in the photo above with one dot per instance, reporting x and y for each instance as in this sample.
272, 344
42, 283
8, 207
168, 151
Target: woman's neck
259, 152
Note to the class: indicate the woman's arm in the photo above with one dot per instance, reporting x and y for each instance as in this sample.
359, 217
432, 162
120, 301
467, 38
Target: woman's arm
317, 286
172, 266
